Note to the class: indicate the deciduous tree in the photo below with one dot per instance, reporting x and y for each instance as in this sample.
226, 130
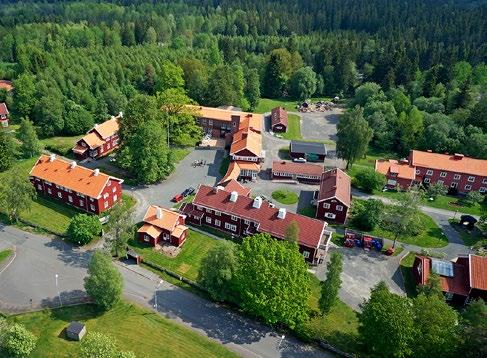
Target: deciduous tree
83, 228
7, 150
354, 135
31, 146
368, 180
104, 283
366, 215
97, 344
474, 329
332, 283
16, 194
17, 341
272, 280
303, 83
119, 228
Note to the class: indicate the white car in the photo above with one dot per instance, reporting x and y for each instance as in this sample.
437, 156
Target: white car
299, 160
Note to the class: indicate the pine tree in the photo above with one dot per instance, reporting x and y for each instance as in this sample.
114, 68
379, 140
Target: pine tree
332, 283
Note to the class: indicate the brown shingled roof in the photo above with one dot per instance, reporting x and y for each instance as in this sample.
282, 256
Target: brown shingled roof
335, 183
279, 116
310, 230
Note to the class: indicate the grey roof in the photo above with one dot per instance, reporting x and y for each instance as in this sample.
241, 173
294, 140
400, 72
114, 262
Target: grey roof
75, 327
308, 147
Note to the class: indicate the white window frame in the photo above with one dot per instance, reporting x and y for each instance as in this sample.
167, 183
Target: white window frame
305, 254
217, 222
330, 216
70, 198
440, 182
429, 172
208, 211
234, 218
208, 219
457, 177
247, 222
49, 190
471, 179
326, 205
114, 190
468, 187
427, 180
217, 213
60, 195
443, 174
81, 203
92, 207
146, 238
115, 198
482, 189
39, 186
484, 181
339, 208
418, 171
105, 204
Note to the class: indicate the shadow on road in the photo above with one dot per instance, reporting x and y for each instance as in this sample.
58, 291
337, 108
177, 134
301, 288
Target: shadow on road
68, 254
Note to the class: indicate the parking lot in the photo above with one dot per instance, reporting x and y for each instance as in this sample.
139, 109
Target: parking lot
320, 125
362, 270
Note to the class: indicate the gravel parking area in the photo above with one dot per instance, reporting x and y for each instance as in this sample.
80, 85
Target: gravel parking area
362, 270
320, 125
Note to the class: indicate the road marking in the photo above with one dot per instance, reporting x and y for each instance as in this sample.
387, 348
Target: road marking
12, 260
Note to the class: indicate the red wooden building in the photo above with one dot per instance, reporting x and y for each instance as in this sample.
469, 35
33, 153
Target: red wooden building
279, 119
83, 188
334, 197
242, 216
461, 280
3, 115
302, 172
163, 226
100, 140
457, 172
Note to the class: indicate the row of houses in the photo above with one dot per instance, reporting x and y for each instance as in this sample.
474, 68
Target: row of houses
455, 171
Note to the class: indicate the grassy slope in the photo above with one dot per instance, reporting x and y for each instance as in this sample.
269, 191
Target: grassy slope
294, 128
60, 145
134, 328
284, 196
188, 261
406, 271
338, 328
266, 104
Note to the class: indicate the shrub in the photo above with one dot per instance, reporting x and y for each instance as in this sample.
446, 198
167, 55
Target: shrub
368, 180
17, 341
83, 228
366, 214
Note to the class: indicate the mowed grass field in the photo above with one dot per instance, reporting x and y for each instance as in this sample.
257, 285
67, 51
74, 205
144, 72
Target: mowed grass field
133, 328
293, 129
188, 262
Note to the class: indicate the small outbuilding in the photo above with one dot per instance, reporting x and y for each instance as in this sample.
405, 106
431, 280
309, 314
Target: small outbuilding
279, 119
3, 115
311, 151
76, 331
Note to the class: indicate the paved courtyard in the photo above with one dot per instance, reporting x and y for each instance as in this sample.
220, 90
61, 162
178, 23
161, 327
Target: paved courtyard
320, 125
362, 270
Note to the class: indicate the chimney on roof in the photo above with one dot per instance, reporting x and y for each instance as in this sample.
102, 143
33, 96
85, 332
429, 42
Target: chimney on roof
233, 196
52, 157
158, 213
257, 202
73, 164
96, 172
282, 213
458, 156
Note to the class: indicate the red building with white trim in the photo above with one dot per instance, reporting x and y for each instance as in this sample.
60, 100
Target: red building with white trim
242, 216
461, 280
279, 119
457, 172
3, 115
100, 141
163, 226
85, 189
302, 172
334, 196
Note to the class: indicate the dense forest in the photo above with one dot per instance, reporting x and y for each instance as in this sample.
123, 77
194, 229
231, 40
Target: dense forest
420, 65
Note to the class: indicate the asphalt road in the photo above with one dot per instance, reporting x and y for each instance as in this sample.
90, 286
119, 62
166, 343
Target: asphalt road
238, 333
31, 275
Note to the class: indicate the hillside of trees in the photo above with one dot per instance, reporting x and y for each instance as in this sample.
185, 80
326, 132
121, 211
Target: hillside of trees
73, 63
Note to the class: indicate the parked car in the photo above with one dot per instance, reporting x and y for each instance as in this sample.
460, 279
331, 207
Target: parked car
188, 191
177, 198
299, 160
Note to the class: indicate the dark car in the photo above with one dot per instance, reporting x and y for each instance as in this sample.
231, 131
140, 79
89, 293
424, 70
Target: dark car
177, 198
188, 191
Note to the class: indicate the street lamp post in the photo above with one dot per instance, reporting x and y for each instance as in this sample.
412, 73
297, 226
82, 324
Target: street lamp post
282, 338
155, 296
58, 293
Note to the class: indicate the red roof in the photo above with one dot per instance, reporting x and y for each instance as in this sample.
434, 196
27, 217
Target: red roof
310, 230
282, 166
402, 169
457, 284
335, 183
7, 85
3, 109
279, 116
456, 163
233, 185
478, 272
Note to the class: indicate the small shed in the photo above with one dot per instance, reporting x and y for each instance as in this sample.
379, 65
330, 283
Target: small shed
468, 221
131, 254
76, 330
311, 151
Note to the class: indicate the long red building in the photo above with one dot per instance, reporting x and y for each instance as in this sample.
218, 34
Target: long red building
101, 140
83, 188
455, 171
242, 216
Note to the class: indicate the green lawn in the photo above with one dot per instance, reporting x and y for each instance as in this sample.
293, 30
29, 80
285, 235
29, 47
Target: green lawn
339, 327
284, 196
294, 128
470, 237
309, 211
188, 261
180, 153
4, 254
266, 104
133, 328
60, 145
407, 274
430, 236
